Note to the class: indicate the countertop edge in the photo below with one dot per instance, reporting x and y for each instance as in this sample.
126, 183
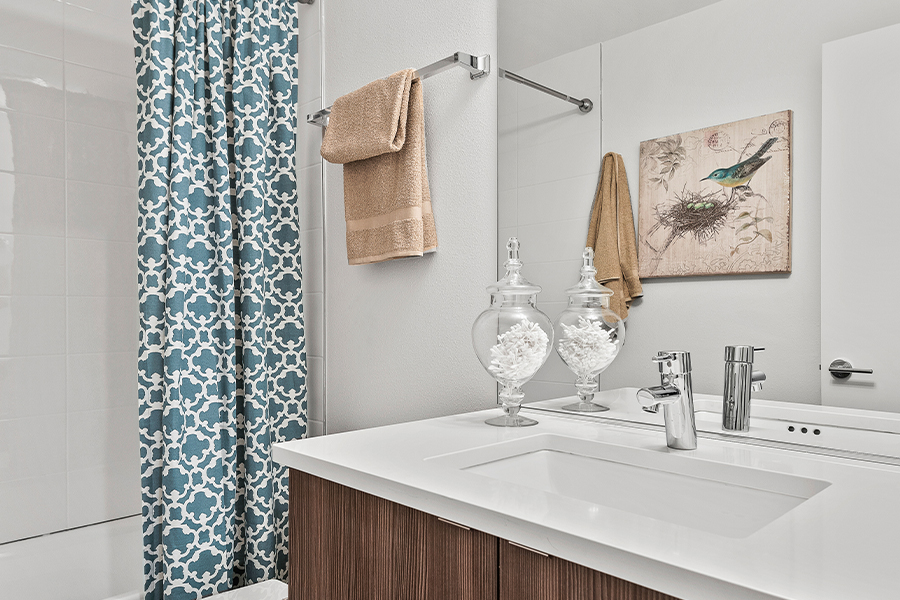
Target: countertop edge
651, 573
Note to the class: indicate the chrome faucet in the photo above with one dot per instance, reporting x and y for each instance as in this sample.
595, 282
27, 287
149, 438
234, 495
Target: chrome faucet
740, 380
676, 398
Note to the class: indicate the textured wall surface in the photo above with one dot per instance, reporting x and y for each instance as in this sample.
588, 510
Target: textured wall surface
398, 333
729, 61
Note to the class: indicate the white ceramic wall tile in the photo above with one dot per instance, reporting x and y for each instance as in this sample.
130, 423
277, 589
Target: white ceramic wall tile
32, 25
554, 277
562, 158
31, 83
536, 391
99, 98
316, 428
102, 561
109, 491
559, 200
310, 18
32, 447
102, 437
32, 325
309, 63
116, 9
267, 590
100, 155
102, 324
101, 212
96, 40
29, 507
507, 171
98, 268
314, 322
508, 103
311, 257
309, 193
542, 124
576, 73
315, 388
32, 386
32, 205
507, 209
95, 381
309, 137
31, 144
32, 265
84, 131
559, 241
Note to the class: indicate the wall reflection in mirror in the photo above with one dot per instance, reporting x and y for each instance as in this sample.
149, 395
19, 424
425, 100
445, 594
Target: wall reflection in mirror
664, 67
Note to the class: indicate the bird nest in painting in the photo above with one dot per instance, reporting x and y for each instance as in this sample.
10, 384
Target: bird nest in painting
716, 201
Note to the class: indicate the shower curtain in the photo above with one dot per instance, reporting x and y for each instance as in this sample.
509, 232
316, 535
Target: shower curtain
222, 358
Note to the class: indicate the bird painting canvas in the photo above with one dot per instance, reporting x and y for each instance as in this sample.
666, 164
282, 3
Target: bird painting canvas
717, 201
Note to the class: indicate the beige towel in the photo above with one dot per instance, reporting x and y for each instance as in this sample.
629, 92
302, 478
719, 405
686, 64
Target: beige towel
611, 235
378, 134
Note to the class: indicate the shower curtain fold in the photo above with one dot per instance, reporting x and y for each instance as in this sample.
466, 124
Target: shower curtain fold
222, 355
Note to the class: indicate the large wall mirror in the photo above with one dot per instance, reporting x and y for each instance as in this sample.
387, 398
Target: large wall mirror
660, 67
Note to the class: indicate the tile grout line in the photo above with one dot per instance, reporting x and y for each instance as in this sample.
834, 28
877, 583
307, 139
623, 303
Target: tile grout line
66, 251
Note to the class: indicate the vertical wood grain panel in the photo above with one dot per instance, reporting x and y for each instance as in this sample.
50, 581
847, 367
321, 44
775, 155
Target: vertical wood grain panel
526, 575
318, 567
460, 563
349, 545
613, 588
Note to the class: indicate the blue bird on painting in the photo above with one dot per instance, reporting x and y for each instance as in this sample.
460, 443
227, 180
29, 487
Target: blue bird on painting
742, 172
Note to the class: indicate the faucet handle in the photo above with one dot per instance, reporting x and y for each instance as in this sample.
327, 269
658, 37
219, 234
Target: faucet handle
756, 380
741, 353
675, 362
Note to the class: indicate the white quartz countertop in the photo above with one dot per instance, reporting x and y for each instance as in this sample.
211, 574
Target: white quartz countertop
840, 544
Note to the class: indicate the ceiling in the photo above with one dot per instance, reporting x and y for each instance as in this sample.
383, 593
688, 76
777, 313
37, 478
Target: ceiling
532, 31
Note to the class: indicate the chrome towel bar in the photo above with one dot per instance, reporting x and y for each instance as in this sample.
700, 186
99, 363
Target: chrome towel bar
477, 66
584, 105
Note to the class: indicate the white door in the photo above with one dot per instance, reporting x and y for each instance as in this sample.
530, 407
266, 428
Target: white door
861, 218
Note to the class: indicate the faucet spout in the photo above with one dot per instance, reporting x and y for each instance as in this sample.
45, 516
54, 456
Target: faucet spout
676, 397
651, 398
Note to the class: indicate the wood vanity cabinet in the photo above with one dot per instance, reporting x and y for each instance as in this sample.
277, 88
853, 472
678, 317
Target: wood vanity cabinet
349, 545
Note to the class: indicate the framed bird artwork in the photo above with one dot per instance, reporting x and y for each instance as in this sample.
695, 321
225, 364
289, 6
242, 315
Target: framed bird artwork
717, 201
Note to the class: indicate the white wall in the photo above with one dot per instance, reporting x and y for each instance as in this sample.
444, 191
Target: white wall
310, 198
732, 60
398, 333
549, 163
68, 268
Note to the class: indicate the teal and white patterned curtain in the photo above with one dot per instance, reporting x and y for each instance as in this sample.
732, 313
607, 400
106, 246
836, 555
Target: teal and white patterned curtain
222, 359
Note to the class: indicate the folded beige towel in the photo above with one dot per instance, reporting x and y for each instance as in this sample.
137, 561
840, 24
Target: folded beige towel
611, 235
378, 134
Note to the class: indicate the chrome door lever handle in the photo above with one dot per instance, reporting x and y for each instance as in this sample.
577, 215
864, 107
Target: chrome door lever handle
842, 369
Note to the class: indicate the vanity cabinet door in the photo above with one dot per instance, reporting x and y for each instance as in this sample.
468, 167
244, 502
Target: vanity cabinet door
348, 545
529, 575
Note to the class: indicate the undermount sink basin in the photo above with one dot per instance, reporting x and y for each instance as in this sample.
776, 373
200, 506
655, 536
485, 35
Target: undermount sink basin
728, 500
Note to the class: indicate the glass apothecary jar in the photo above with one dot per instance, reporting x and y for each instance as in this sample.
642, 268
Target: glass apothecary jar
590, 334
512, 338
